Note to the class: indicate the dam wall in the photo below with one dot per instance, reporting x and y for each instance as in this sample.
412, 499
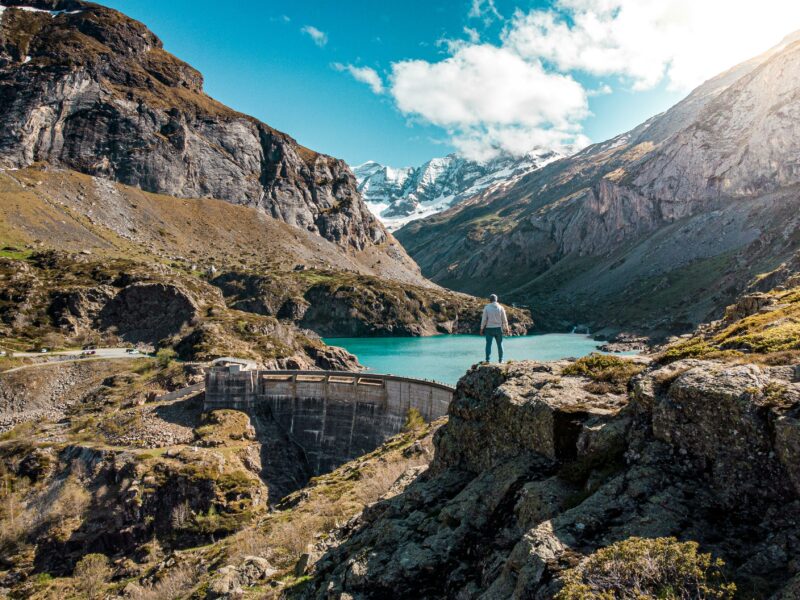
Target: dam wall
333, 416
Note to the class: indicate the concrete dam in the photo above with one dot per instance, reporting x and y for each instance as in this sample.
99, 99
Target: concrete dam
331, 416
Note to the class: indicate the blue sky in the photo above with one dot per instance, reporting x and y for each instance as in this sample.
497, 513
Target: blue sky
261, 58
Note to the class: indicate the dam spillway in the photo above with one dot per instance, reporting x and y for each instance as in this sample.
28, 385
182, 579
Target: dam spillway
332, 416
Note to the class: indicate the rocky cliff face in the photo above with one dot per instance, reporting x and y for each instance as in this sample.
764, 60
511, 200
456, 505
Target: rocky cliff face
344, 305
399, 196
694, 202
86, 88
538, 468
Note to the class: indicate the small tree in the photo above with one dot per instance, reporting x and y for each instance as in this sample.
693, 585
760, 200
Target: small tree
414, 420
91, 575
647, 569
165, 356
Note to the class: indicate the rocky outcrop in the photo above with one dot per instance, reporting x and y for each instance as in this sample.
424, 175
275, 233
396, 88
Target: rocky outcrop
114, 501
230, 580
345, 305
148, 311
143, 312
655, 230
533, 471
90, 89
65, 299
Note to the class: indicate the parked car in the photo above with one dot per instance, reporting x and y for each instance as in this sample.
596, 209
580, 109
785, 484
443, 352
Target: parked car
44, 350
132, 351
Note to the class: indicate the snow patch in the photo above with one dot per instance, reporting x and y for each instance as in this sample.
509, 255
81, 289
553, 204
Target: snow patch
52, 13
616, 142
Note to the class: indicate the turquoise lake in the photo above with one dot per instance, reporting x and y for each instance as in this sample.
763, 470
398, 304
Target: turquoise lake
446, 358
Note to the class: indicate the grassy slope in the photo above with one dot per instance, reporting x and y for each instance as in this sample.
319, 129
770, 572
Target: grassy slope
762, 327
122, 229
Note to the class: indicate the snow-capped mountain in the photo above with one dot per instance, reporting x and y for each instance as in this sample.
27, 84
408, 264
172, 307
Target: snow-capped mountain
399, 196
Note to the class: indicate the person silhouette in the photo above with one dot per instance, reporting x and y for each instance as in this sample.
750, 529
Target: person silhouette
493, 324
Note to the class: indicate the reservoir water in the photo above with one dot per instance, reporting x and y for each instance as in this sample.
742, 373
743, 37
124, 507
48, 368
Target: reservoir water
446, 358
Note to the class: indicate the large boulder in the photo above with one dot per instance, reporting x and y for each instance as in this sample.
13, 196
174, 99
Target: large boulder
725, 417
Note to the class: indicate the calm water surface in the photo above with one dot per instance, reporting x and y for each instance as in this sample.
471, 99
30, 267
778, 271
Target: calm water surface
445, 358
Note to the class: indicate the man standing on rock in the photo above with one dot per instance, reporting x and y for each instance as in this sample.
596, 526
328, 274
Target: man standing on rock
493, 324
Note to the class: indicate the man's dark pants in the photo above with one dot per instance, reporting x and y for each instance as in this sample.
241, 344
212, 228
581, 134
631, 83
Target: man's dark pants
494, 333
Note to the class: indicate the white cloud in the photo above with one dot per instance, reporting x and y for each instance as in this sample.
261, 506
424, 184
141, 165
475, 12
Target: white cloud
520, 93
320, 37
490, 100
366, 75
484, 9
646, 41
472, 35
601, 90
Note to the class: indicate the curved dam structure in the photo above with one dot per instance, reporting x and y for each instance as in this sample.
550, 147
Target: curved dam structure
332, 416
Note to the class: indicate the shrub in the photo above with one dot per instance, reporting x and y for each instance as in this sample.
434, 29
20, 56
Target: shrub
91, 574
177, 583
647, 569
605, 369
165, 356
414, 420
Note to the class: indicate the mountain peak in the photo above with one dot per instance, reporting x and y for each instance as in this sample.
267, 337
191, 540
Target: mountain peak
399, 196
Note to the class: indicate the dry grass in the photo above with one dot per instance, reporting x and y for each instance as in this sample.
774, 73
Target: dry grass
607, 373
771, 336
176, 583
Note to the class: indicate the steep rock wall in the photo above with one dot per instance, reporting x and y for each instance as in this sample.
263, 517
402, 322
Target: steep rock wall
92, 90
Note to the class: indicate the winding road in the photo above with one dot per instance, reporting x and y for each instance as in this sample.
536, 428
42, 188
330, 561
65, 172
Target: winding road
74, 356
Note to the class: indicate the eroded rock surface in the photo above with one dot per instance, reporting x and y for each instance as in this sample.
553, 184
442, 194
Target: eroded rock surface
533, 471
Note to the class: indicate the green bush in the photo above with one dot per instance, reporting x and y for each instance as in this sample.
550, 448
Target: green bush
165, 356
91, 575
647, 569
414, 420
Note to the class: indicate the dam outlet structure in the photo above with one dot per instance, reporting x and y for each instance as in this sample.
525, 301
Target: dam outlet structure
331, 416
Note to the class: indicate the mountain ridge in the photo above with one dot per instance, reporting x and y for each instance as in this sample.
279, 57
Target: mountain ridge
400, 195
122, 184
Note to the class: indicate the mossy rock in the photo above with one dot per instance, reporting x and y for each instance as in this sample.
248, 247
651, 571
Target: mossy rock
220, 427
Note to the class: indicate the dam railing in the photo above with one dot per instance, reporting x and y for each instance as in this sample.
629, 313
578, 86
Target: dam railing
237, 388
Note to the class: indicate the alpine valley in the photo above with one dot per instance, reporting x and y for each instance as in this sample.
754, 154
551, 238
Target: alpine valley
169, 267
